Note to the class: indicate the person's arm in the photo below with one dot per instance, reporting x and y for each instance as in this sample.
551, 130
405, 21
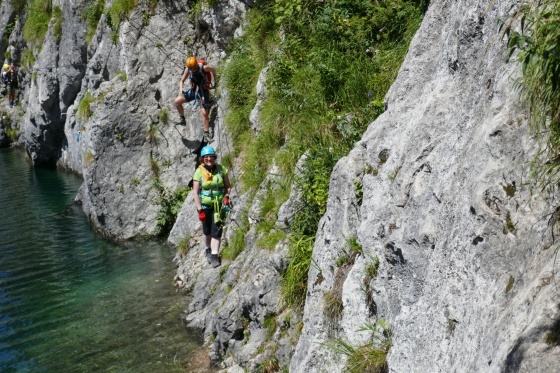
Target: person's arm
183, 78
195, 189
212, 70
228, 185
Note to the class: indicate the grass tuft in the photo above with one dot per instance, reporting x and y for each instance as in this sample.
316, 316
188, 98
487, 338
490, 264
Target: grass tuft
370, 357
84, 111
533, 31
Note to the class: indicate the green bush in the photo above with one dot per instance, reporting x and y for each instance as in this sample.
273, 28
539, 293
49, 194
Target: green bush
84, 111
92, 14
539, 55
236, 245
294, 286
18, 5
57, 22
170, 203
326, 81
27, 59
37, 22
370, 357
119, 10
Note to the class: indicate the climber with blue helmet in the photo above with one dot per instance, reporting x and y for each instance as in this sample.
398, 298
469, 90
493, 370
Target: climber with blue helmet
211, 189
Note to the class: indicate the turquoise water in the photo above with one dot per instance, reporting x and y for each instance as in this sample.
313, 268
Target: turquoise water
71, 302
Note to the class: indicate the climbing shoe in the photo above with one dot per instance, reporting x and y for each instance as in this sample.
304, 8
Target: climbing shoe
215, 261
182, 121
208, 255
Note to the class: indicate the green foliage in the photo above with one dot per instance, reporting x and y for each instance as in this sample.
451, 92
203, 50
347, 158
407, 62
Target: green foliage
196, 6
393, 175
170, 203
348, 256
89, 158
91, 15
119, 10
359, 191
37, 22
57, 22
122, 75
84, 111
223, 272
18, 5
237, 244
294, 285
164, 116
11, 131
269, 205
370, 357
27, 59
8, 30
314, 184
183, 245
509, 226
271, 238
326, 81
509, 285
271, 365
151, 133
553, 336
451, 325
227, 161
372, 269
539, 55
333, 305
135, 182
270, 325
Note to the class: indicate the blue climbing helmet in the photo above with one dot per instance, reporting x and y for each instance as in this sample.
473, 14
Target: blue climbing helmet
208, 150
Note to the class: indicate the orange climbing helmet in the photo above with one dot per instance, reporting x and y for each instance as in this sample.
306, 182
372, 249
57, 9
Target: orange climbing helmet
191, 62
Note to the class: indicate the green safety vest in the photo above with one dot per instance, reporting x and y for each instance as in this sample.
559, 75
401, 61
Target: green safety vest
214, 189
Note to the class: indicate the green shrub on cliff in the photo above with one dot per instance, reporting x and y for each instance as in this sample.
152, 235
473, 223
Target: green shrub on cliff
326, 79
92, 14
84, 111
370, 357
119, 10
539, 55
37, 22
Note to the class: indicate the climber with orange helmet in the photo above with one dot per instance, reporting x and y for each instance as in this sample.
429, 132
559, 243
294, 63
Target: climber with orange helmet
200, 75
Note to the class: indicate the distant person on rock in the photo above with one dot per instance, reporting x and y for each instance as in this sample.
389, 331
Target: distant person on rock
211, 188
9, 80
200, 77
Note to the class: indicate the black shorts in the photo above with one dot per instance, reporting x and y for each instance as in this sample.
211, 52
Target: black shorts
209, 227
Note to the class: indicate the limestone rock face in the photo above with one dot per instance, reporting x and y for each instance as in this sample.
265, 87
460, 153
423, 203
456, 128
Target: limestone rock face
58, 72
466, 250
104, 107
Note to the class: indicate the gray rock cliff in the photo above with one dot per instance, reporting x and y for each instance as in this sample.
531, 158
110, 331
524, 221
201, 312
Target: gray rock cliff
465, 247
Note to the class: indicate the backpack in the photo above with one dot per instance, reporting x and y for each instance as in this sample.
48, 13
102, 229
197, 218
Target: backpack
6, 77
207, 81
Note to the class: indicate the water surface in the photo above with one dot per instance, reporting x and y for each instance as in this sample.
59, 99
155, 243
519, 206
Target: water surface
71, 302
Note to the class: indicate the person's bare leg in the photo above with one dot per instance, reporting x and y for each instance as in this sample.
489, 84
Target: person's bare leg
216, 245
205, 120
179, 101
